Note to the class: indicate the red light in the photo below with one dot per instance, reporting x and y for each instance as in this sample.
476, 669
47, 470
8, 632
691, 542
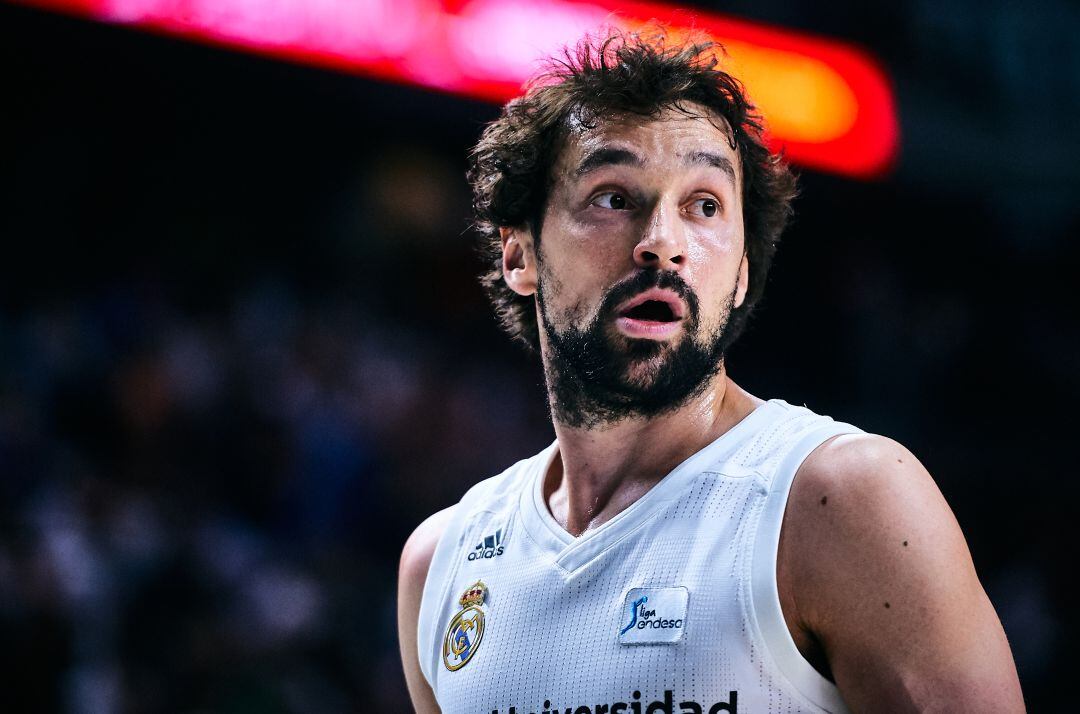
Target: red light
827, 104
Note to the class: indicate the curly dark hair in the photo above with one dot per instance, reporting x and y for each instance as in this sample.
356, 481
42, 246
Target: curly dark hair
618, 73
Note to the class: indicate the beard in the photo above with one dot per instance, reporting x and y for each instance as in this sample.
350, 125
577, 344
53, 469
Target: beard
597, 376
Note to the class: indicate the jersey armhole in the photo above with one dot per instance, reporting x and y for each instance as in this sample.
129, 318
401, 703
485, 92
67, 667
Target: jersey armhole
435, 590
436, 605
767, 613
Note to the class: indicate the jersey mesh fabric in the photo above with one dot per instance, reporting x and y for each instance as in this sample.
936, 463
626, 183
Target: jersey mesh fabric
556, 604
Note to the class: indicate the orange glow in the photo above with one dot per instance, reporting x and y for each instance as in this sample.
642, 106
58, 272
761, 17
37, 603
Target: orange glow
804, 99
827, 104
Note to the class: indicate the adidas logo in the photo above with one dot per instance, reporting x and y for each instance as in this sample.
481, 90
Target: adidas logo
490, 547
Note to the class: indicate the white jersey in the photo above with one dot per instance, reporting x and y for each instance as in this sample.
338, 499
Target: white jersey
670, 607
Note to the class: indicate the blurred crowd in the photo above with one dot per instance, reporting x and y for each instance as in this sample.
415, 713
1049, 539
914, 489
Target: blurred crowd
206, 513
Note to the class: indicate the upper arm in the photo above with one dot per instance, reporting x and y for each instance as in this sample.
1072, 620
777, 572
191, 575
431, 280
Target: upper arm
412, 575
880, 574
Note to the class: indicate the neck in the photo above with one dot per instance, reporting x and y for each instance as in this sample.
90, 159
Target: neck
601, 470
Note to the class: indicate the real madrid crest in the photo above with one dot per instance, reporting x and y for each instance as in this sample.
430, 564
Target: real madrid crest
466, 629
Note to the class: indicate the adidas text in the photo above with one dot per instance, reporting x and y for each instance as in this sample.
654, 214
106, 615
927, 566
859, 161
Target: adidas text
485, 553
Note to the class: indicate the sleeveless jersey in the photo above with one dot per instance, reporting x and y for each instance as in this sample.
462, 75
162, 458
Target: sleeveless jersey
670, 607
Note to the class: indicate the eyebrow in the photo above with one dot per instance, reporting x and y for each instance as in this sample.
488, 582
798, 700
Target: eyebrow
609, 156
708, 158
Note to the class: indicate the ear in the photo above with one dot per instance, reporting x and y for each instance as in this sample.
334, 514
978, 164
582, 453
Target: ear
518, 259
743, 282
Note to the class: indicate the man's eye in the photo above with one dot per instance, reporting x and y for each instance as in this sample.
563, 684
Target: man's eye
707, 207
610, 200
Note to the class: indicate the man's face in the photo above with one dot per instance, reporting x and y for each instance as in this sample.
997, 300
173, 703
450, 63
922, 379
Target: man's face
639, 262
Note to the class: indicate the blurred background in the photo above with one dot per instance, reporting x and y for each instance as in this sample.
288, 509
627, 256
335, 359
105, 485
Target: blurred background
243, 352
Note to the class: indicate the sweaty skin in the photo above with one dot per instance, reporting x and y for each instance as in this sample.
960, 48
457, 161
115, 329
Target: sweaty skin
875, 579
665, 176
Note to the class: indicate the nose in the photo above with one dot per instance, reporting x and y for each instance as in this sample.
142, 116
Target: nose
663, 243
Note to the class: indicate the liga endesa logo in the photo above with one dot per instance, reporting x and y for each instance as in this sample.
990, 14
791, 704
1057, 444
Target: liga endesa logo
654, 616
635, 706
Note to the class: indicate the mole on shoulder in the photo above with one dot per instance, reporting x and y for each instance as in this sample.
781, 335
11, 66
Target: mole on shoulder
886, 606
905, 544
899, 461
824, 499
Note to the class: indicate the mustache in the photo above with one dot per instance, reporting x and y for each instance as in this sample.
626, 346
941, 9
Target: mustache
645, 280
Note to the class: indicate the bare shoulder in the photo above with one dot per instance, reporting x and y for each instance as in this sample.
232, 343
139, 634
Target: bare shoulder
416, 559
420, 548
875, 566
869, 484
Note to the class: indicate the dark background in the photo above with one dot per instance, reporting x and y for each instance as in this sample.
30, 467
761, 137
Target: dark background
243, 353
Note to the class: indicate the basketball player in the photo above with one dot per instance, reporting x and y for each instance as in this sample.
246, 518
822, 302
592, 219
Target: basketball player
682, 546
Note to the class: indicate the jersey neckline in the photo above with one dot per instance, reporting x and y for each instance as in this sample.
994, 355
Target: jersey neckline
570, 553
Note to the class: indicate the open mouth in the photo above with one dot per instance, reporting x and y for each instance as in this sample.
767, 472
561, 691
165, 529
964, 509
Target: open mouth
655, 306
652, 311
